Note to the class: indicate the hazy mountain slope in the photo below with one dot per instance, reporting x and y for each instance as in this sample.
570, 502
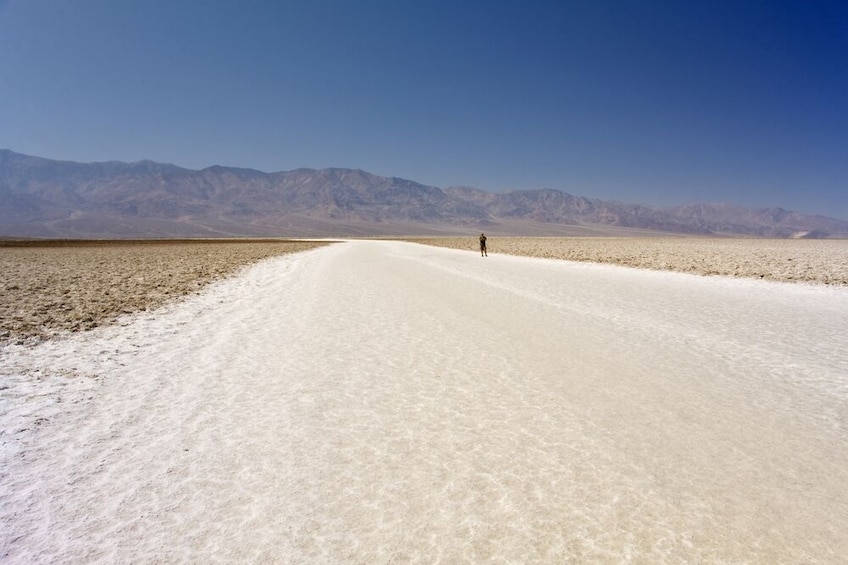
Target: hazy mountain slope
776, 222
47, 198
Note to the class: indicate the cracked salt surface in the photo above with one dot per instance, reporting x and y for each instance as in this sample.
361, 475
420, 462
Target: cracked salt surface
374, 402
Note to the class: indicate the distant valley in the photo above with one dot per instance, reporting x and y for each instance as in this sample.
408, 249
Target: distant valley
43, 198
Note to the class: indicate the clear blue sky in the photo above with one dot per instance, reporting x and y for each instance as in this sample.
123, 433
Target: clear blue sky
659, 102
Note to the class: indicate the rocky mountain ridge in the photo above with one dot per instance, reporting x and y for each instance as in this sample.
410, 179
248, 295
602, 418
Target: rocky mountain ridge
47, 198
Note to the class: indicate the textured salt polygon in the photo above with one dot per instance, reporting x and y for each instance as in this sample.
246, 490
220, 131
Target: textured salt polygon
388, 402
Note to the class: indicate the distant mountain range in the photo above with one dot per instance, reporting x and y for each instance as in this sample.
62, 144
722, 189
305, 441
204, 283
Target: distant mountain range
62, 199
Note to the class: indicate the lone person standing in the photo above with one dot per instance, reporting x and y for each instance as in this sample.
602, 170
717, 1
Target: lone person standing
483, 252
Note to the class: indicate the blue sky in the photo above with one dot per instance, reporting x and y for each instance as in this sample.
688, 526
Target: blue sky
655, 102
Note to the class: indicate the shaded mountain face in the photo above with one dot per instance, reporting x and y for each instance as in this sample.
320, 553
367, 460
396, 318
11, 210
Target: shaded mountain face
46, 198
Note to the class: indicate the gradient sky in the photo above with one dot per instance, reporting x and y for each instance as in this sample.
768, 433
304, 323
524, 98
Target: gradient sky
654, 102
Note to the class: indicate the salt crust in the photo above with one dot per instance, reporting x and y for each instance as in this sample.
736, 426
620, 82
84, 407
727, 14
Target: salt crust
784, 260
381, 402
50, 290
56, 289
72, 287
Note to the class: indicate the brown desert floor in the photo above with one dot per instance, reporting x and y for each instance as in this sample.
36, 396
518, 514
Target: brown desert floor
77, 285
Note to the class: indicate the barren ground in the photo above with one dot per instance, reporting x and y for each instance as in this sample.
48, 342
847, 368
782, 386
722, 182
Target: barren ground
383, 402
48, 287
785, 260
53, 286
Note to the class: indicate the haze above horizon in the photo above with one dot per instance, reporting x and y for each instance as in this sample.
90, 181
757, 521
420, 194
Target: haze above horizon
673, 103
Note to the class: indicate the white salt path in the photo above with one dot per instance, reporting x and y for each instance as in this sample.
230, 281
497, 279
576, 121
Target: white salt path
376, 402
